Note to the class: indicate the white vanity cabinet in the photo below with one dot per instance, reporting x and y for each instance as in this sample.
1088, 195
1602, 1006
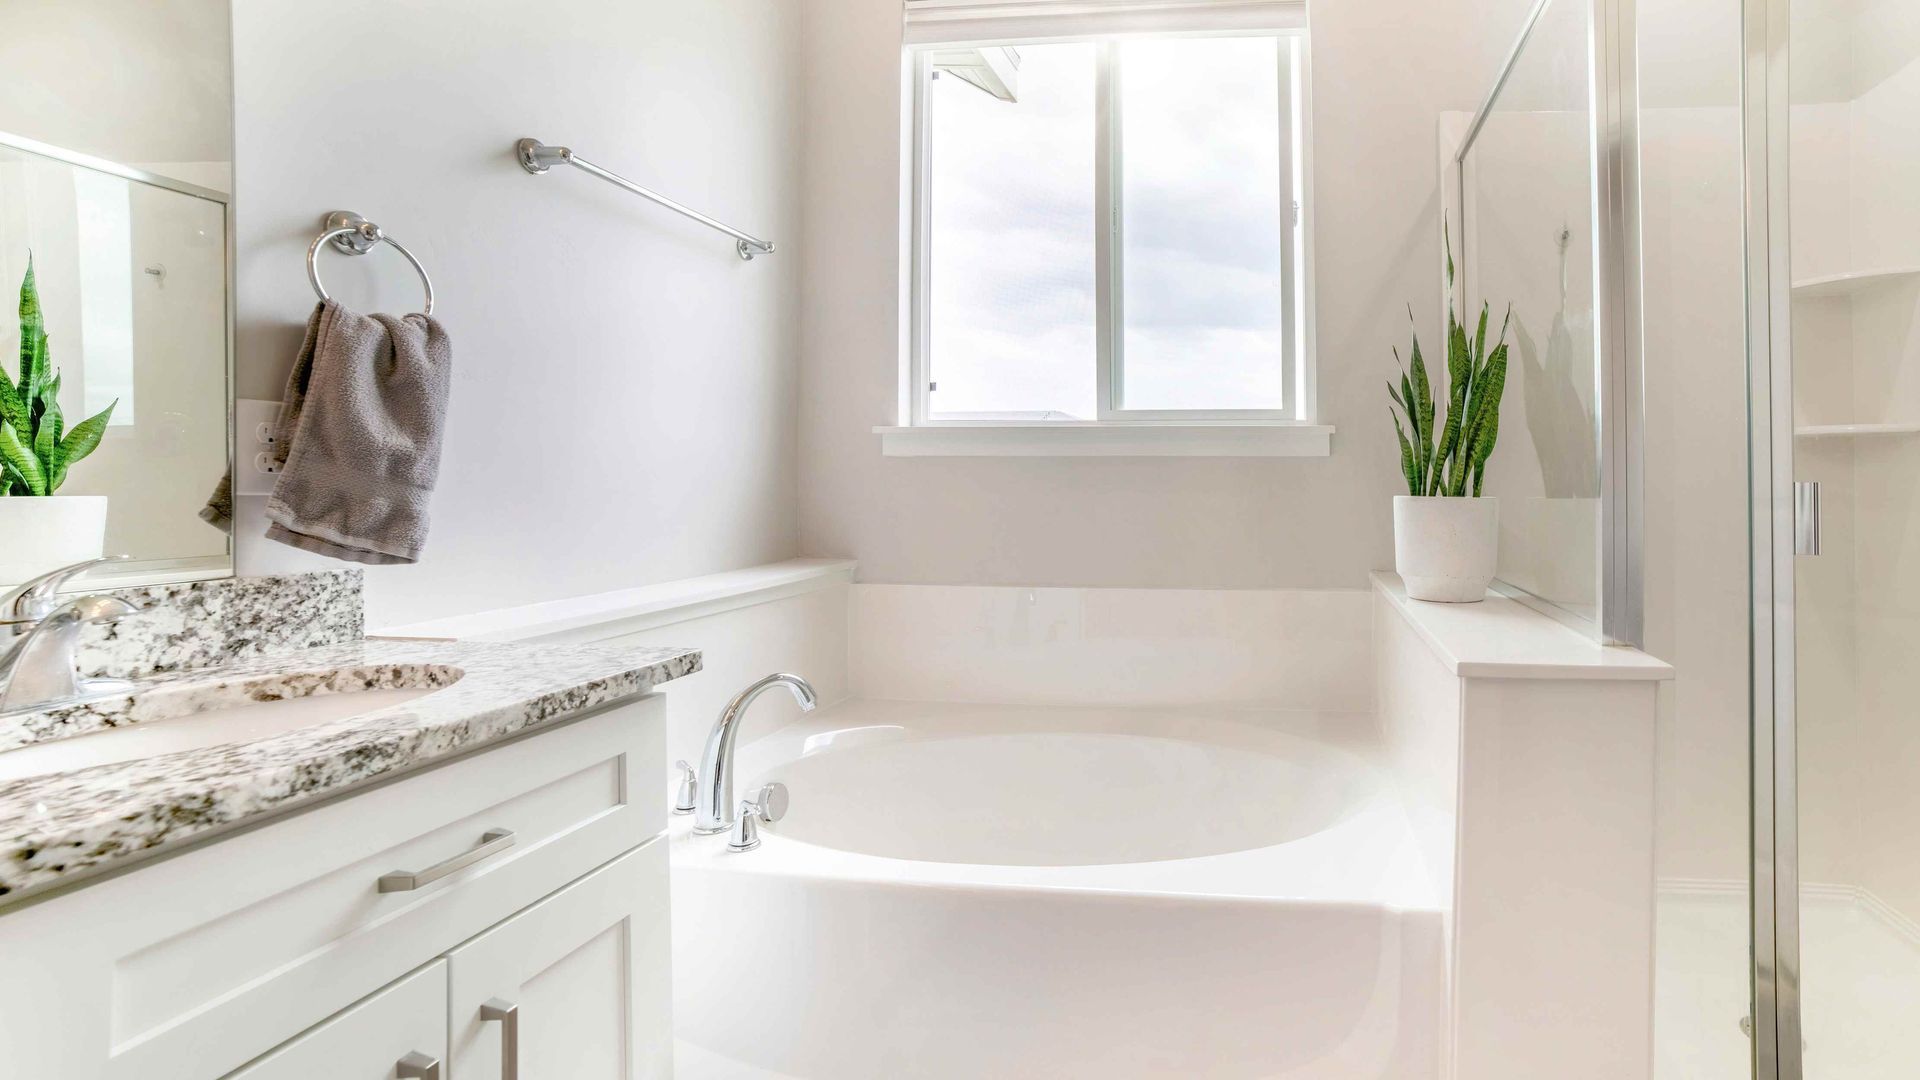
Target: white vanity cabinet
401, 1030
576, 986
532, 872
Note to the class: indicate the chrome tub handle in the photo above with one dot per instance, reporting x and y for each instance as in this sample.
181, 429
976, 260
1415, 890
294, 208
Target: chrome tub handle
492, 842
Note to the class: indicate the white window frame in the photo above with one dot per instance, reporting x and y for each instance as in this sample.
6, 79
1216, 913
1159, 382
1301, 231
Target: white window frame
1298, 403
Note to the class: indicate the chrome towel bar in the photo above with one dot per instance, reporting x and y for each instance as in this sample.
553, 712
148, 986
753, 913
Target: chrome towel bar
352, 234
537, 158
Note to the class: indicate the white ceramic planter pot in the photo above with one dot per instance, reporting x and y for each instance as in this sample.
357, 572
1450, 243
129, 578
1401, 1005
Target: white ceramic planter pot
42, 533
1445, 549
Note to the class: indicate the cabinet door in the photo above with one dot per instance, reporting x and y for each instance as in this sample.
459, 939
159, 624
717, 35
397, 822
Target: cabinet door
400, 1031
578, 986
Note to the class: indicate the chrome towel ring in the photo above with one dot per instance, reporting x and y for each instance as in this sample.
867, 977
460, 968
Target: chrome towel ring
352, 234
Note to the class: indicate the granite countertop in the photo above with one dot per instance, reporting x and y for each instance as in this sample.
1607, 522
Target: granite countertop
57, 827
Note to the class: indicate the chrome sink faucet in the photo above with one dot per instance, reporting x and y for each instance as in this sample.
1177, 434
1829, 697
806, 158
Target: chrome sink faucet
37, 664
715, 811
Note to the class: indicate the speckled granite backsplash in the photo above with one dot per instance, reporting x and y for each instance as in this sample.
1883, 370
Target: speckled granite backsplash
200, 623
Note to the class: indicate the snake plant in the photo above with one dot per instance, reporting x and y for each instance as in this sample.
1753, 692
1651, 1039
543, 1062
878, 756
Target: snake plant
1455, 459
36, 448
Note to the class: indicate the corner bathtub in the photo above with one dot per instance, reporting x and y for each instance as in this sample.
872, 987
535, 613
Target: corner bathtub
1001, 892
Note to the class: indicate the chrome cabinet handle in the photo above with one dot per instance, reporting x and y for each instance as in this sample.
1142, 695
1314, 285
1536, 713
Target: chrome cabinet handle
418, 1066
492, 842
509, 1016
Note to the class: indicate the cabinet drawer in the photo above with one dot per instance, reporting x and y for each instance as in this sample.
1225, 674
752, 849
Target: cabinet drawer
191, 966
404, 1022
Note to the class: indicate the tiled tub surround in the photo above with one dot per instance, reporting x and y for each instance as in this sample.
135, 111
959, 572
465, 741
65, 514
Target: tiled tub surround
59, 827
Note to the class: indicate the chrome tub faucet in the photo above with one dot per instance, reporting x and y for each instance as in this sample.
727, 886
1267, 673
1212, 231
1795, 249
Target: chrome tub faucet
715, 811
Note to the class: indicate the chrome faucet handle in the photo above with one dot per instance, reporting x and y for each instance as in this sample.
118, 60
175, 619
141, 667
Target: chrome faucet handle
35, 600
770, 802
687, 795
768, 805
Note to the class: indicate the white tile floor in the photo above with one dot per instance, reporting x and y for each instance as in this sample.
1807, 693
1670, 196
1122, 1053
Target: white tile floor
1861, 987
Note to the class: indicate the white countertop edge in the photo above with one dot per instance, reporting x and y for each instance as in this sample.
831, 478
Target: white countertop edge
626, 611
1501, 638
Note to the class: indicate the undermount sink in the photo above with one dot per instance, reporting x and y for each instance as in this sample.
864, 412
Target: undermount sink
165, 723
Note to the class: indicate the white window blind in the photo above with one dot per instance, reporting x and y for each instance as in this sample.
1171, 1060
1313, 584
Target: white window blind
931, 22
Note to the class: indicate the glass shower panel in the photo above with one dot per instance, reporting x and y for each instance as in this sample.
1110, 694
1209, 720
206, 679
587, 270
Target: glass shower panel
1697, 608
1529, 234
1855, 315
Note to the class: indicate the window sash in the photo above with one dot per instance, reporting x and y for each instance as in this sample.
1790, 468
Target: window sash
1110, 373
930, 22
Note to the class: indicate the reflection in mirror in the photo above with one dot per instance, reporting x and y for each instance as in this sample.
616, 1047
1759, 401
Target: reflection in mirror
115, 164
1527, 209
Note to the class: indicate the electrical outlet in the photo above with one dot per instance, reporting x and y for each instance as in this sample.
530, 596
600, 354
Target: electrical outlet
254, 470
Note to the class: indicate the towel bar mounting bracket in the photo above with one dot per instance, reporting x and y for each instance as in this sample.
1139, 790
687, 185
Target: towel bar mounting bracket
354, 242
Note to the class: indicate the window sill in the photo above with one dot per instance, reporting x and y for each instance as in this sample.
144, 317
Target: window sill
1219, 438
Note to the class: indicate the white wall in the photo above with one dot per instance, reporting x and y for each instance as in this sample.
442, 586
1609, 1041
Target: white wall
1383, 69
623, 396
134, 81
1262, 649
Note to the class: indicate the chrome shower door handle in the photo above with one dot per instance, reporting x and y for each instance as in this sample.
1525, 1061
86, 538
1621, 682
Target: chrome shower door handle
1806, 517
508, 1015
417, 1066
492, 842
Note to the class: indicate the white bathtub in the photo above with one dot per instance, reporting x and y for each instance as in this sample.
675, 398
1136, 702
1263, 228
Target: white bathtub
1002, 892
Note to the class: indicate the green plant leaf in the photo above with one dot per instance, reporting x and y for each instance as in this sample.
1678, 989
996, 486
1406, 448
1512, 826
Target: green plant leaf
1485, 412
13, 407
53, 417
1459, 379
84, 437
45, 447
33, 336
22, 461
1406, 455
1423, 394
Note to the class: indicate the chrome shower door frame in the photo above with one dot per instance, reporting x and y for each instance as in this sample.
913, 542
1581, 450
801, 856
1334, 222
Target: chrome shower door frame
1774, 899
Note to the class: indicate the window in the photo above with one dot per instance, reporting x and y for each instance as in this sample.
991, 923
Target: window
1110, 230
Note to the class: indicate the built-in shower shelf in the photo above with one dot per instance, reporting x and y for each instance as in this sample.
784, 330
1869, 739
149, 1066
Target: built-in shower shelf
1813, 431
1853, 282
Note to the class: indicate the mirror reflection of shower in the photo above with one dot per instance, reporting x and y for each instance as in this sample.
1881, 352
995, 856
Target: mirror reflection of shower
1559, 395
1529, 232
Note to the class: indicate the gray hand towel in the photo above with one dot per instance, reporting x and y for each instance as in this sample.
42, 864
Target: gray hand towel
219, 509
358, 435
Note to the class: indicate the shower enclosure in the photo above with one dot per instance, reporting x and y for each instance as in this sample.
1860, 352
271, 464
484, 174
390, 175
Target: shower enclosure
1833, 114
1682, 201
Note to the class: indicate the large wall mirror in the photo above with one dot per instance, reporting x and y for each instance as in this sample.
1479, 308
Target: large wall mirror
115, 172
1543, 218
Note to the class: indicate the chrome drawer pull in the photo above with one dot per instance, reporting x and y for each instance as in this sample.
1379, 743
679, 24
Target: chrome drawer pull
418, 1066
509, 1016
492, 842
